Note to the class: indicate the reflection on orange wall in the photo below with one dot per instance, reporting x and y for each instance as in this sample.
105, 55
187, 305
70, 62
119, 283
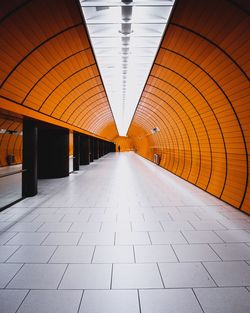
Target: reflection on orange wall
71, 147
198, 95
11, 140
125, 143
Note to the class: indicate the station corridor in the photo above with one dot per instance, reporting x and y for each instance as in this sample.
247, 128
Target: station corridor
123, 235
124, 156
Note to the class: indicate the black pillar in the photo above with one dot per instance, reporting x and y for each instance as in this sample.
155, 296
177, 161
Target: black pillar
91, 149
29, 177
84, 149
53, 152
105, 147
101, 148
76, 143
96, 149
113, 147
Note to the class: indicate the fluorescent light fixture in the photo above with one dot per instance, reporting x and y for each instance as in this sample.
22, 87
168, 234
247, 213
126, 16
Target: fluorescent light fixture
125, 36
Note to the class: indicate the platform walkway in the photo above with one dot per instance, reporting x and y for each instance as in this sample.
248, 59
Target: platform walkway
123, 236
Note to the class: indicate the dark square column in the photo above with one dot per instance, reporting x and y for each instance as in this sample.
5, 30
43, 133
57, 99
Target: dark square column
84, 150
53, 152
29, 177
76, 143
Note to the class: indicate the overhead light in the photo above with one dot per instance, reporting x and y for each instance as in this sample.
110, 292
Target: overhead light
127, 34
101, 8
126, 13
125, 50
126, 29
127, 1
125, 41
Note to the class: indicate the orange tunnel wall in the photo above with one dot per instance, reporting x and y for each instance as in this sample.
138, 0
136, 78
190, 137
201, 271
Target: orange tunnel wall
47, 67
197, 94
125, 143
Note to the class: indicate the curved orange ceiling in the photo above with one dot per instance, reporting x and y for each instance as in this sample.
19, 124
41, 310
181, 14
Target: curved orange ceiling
48, 69
197, 94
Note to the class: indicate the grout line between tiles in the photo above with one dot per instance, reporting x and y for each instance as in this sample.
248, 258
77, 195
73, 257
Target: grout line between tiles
139, 300
62, 276
12, 253
92, 258
52, 254
22, 301
197, 300
160, 275
111, 279
80, 303
210, 245
14, 276
216, 285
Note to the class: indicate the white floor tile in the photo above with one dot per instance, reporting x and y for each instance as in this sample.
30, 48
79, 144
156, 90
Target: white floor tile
38, 276
235, 224
87, 276
224, 300
207, 225
62, 239
5, 237
154, 253
110, 301
96, 217
202, 236
229, 273
54, 227
44, 210
27, 239
146, 226
25, 227
180, 275
234, 235
48, 218
101, 238
169, 301
176, 216
167, 237
113, 254
232, 251
132, 238
77, 218
116, 227
130, 218
6, 252
7, 272
81, 227
51, 301
195, 252
32, 254
176, 226
135, 276
10, 300
73, 254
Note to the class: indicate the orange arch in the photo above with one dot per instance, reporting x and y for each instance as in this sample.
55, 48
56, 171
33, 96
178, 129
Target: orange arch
197, 94
48, 65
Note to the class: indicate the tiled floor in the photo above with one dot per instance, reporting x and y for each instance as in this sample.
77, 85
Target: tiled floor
123, 236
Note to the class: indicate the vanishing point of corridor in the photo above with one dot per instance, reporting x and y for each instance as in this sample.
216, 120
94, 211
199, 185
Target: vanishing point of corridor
123, 235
